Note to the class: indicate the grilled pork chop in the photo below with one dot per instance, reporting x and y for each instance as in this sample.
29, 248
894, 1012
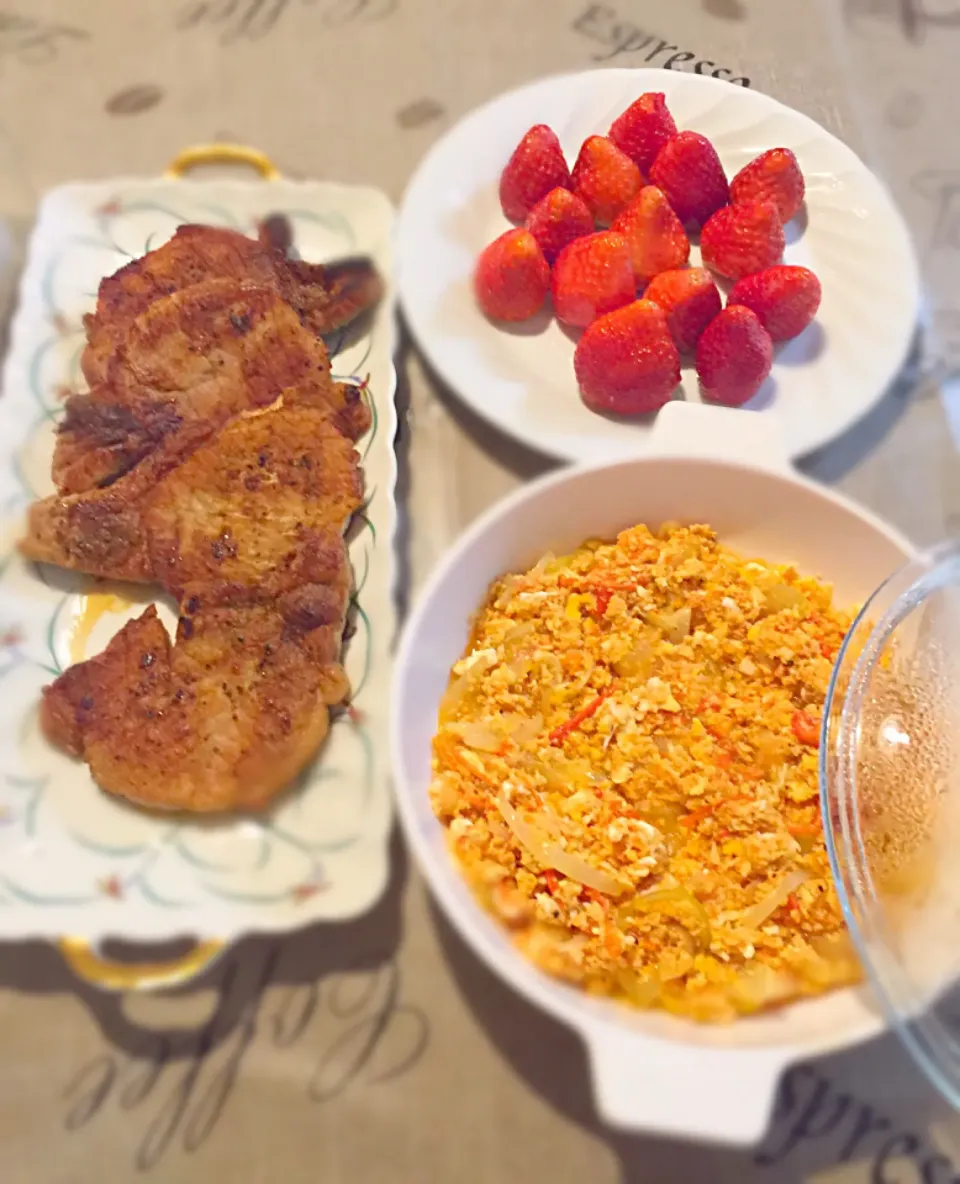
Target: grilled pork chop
222, 720
247, 535
324, 297
177, 516
205, 353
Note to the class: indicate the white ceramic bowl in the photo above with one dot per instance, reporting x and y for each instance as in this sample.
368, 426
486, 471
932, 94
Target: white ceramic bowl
651, 1072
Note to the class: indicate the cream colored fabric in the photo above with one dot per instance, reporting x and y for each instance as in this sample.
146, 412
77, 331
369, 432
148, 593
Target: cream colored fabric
384, 1053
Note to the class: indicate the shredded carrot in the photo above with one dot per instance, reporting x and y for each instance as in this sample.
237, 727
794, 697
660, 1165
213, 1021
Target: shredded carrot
558, 735
804, 829
466, 768
612, 940
597, 898
603, 598
553, 880
751, 773
597, 587
697, 816
806, 729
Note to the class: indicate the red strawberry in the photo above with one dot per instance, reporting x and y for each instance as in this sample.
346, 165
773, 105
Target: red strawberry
689, 172
606, 178
591, 276
784, 298
512, 277
656, 236
734, 356
774, 176
626, 363
536, 166
558, 219
643, 129
740, 240
690, 300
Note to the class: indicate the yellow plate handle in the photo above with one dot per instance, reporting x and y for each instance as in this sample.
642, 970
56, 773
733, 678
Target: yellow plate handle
201, 154
136, 976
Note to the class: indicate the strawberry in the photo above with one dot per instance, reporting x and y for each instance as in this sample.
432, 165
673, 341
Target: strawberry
690, 300
626, 363
689, 172
536, 166
606, 178
740, 240
784, 298
734, 356
643, 129
558, 219
512, 278
774, 176
592, 276
656, 236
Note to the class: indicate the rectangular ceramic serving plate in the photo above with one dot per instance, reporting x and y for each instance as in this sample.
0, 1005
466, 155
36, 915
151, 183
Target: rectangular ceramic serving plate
74, 862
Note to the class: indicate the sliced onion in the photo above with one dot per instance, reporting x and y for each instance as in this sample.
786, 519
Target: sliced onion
554, 856
523, 729
759, 987
642, 992
782, 596
528, 835
544, 563
638, 663
764, 909
578, 869
479, 736
674, 626
671, 901
562, 774
517, 634
461, 686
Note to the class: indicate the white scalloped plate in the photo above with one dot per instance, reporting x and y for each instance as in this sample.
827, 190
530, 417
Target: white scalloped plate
522, 381
74, 861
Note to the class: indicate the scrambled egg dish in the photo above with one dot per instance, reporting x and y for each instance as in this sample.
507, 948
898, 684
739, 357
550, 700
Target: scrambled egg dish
626, 767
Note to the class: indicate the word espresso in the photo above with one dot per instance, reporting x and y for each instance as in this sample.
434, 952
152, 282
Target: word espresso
602, 24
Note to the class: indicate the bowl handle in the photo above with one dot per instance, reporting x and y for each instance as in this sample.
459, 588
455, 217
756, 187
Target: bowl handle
202, 154
719, 433
110, 975
682, 1090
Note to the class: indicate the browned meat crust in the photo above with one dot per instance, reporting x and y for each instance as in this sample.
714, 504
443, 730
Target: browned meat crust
325, 297
224, 719
213, 456
202, 354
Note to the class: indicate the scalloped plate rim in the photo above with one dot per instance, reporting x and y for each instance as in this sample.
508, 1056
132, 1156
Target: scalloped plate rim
472, 382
